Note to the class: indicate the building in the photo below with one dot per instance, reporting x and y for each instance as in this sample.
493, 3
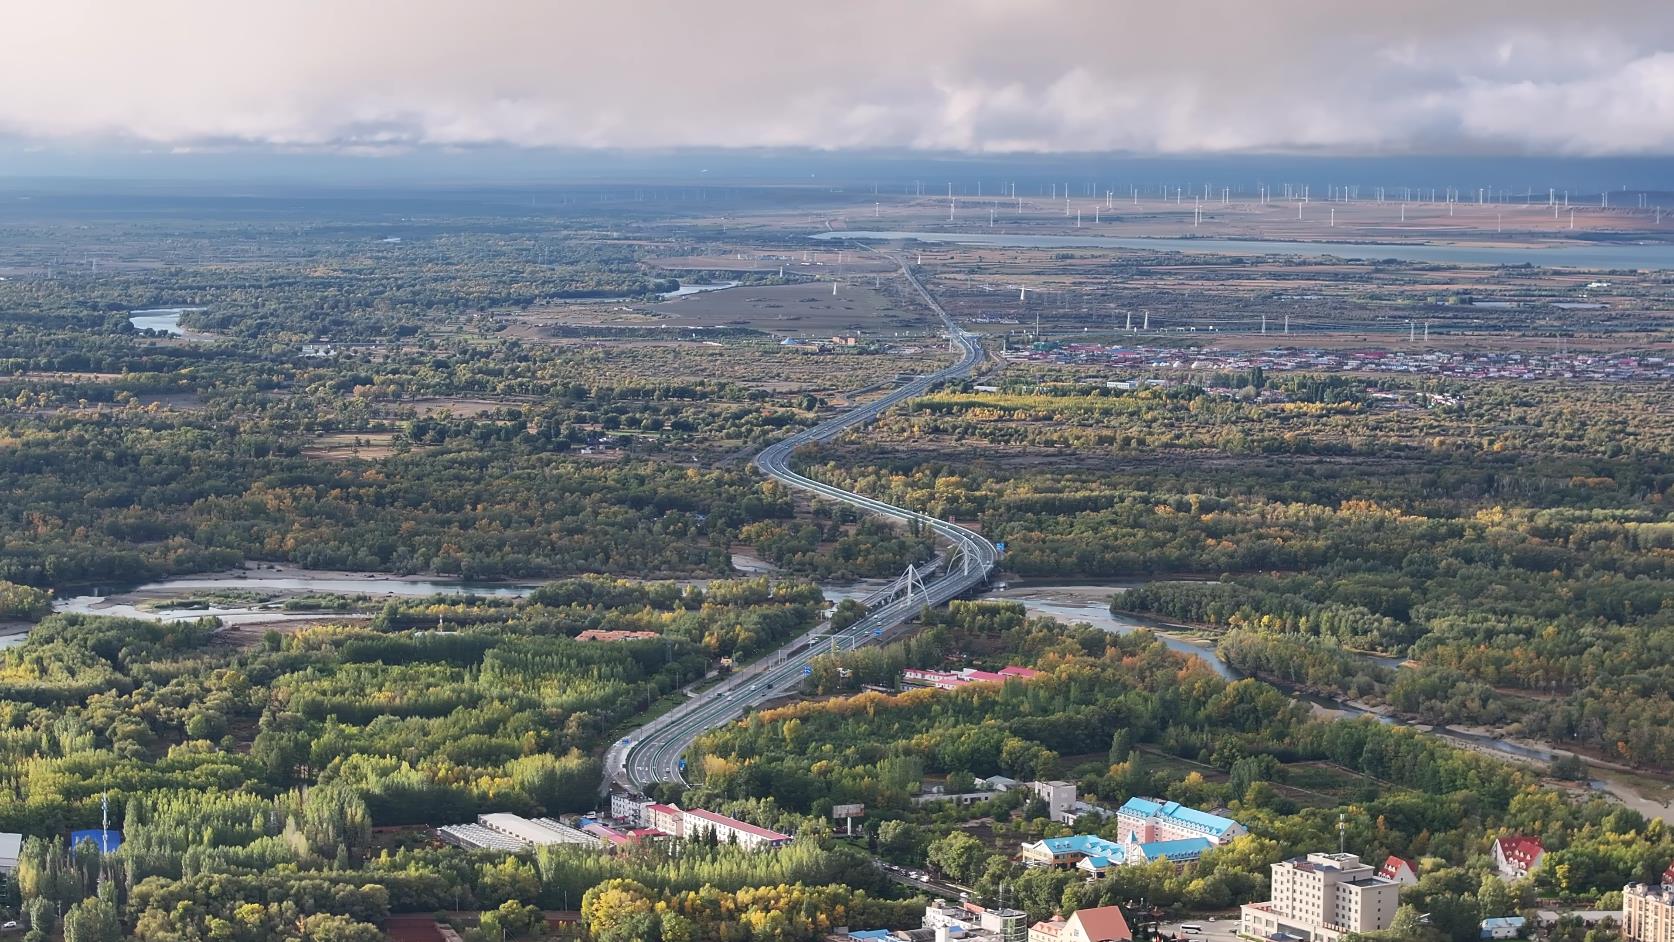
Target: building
696, 823
1103, 924
1400, 870
1097, 856
1177, 852
628, 806
1070, 851
1321, 898
951, 680
1503, 927
967, 920
11, 848
665, 818
1517, 856
1648, 912
1144, 820
513, 832
1050, 930
1059, 798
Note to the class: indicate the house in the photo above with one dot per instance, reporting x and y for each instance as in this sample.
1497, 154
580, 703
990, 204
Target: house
1103, 924
1400, 870
1516, 856
952, 680
1047, 930
1503, 927
1144, 820
1322, 898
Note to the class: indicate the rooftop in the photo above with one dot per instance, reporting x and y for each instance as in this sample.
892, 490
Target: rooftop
737, 825
1150, 807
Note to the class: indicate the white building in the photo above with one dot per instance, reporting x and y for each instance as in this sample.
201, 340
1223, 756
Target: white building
969, 921
1059, 797
1321, 898
513, 832
1103, 924
1648, 912
11, 848
696, 823
627, 806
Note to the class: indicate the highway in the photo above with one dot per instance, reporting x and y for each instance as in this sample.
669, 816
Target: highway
652, 753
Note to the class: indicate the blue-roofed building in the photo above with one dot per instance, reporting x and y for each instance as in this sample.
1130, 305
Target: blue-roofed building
1071, 851
1504, 927
879, 934
1182, 851
1149, 820
106, 841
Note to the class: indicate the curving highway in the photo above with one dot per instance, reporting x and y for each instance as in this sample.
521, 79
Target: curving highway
653, 753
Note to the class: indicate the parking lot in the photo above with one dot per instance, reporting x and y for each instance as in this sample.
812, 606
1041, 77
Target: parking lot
1220, 929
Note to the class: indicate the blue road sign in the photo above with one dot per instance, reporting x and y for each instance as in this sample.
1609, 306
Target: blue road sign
1001, 546
682, 765
877, 632
807, 670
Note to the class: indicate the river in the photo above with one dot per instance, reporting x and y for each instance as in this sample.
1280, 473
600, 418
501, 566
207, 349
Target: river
1646, 256
165, 319
1091, 604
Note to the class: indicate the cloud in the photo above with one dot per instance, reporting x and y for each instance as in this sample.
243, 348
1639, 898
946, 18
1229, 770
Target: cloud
1189, 76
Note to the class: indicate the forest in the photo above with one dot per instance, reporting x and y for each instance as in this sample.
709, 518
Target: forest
1164, 725
1511, 541
266, 781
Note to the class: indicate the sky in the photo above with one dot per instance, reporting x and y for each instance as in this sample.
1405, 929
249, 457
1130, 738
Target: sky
1185, 77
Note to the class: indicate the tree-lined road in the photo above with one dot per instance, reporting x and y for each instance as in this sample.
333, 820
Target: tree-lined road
652, 753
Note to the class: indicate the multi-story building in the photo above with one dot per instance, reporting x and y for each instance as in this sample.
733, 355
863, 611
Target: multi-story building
1516, 856
1648, 911
1070, 851
972, 921
1321, 898
696, 823
628, 806
1097, 856
1144, 820
1103, 924
665, 818
1059, 797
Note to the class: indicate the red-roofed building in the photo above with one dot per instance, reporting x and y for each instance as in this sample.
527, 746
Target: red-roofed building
1668, 876
729, 830
1516, 856
949, 680
1400, 870
1103, 924
1050, 930
665, 818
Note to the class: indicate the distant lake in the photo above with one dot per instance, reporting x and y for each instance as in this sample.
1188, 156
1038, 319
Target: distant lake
165, 319
684, 290
1655, 257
